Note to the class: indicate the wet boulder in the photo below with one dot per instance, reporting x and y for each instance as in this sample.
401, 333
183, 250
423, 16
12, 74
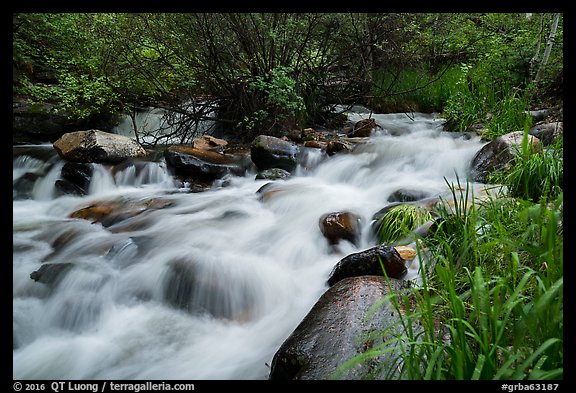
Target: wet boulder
368, 263
203, 165
340, 326
97, 146
497, 155
75, 178
339, 226
270, 152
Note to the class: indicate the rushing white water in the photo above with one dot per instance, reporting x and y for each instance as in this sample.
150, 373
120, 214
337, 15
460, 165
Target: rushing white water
248, 269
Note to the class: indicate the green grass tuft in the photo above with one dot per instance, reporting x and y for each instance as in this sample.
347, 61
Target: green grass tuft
399, 221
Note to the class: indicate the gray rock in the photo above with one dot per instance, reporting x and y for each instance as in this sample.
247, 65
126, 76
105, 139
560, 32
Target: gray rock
548, 132
497, 155
407, 195
538, 115
270, 152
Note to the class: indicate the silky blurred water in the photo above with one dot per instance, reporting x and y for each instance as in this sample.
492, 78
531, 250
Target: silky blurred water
210, 285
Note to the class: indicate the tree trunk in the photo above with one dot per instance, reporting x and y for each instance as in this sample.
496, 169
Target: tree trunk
534, 59
549, 44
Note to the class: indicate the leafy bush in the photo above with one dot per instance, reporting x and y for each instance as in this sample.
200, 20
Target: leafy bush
282, 102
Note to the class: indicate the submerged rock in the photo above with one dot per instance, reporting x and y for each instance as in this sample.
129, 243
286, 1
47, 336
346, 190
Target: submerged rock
110, 213
189, 286
407, 195
273, 174
50, 273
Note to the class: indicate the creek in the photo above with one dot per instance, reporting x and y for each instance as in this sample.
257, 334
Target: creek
255, 266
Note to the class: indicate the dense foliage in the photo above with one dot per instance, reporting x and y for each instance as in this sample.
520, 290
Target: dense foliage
267, 73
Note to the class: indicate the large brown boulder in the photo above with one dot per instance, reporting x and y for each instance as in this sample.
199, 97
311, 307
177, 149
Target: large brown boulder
97, 146
343, 323
369, 262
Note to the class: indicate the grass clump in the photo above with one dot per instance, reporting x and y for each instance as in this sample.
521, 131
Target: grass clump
535, 174
399, 221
